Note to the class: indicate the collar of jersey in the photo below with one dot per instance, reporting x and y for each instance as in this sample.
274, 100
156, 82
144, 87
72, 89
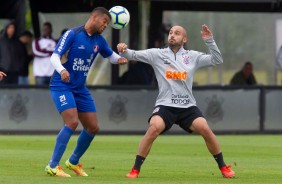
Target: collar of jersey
179, 51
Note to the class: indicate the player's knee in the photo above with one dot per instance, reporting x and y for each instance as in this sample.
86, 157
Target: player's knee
154, 131
93, 130
72, 124
206, 131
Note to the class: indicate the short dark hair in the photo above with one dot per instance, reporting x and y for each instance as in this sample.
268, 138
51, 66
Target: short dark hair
102, 10
26, 33
248, 63
48, 24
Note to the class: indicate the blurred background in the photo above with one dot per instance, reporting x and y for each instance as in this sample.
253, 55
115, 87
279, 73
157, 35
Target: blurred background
245, 30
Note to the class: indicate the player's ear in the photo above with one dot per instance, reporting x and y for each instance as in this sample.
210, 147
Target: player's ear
185, 39
94, 16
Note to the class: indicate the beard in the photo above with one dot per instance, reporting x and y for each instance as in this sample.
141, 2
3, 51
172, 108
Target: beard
174, 45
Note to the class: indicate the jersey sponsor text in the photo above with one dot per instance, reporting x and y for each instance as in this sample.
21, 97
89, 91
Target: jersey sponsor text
176, 75
180, 99
63, 41
78, 65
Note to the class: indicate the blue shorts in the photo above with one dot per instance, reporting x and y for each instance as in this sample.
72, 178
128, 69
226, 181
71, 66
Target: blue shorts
68, 98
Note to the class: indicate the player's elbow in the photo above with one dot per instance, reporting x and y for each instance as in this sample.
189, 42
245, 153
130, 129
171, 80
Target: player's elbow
217, 60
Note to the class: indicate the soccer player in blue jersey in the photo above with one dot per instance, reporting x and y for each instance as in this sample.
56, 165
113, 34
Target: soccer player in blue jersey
73, 100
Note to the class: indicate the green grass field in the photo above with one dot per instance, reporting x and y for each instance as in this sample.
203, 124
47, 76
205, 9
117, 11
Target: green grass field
173, 159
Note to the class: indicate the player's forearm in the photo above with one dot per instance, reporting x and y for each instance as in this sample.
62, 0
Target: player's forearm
56, 62
127, 54
133, 55
214, 51
114, 58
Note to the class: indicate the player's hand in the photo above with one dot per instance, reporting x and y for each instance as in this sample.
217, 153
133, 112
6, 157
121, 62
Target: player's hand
206, 33
2, 75
122, 61
65, 76
121, 47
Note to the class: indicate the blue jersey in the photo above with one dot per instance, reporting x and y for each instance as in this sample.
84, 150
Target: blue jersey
81, 50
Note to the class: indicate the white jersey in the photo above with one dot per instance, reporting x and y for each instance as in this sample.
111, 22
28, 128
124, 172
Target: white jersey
42, 49
175, 72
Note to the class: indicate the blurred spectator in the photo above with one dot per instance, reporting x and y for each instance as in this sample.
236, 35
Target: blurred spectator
10, 54
2, 75
278, 63
137, 74
245, 76
279, 59
62, 33
43, 48
142, 73
25, 39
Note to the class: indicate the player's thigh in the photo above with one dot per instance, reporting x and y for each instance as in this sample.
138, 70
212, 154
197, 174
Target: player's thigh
89, 121
65, 104
84, 101
86, 110
164, 117
70, 117
157, 123
63, 100
200, 125
188, 116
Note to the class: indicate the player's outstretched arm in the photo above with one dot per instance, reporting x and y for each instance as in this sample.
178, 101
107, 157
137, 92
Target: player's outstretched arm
121, 47
117, 59
2, 75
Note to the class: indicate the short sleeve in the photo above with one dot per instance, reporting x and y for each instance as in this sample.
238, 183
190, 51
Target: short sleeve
64, 42
105, 51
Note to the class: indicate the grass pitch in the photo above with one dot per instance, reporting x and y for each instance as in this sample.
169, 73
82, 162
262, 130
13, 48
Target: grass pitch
173, 159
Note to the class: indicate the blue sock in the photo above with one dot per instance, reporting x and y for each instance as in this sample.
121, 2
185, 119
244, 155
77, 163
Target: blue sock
83, 143
60, 147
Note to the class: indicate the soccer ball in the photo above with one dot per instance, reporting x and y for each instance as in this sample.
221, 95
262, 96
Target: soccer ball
120, 17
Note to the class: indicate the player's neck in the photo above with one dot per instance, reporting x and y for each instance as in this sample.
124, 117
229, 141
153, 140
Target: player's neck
89, 30
175, 49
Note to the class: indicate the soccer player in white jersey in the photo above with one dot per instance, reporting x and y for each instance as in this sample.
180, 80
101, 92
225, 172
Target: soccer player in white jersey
174, 68
68, 89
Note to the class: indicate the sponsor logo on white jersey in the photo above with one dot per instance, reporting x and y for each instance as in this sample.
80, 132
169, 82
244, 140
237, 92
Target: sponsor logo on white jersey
176, 75
185, 58
180, 99
166, 60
